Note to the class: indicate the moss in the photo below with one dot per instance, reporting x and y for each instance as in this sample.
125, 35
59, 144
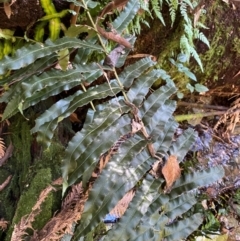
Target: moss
21, 159
236, 45
32, 170
29, 197
218, 61
6, 205
51, 157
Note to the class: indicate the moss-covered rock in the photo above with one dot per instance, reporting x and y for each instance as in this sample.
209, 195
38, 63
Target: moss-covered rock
32, 170
29, 198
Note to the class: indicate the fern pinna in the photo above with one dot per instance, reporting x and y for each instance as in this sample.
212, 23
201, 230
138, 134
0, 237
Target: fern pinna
113, 156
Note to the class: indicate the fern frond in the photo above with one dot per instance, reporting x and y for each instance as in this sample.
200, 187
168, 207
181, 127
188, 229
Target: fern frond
183, 10
199, 35
37, 88
189, 3
141, 87
188, 30
157, 8
31, 53
48, 121
134, 71
126, 16
201, 25
173, 6
185, 46
149, 212
197, 58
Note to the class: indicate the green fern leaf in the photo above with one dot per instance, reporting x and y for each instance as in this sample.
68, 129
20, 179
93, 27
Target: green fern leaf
188, 29
197, 179
183, 10
173, 6
183, 144
182, 229
140, 88
47, 122
204, 39
121, 178
164, 138
37, 88
156, 8
28, 55
197, 58
156, 100
155, 222
129, 226
123, 57
185, 46
78, 159
12, 107
179, 205
150, 214
126, 16
134, 71
32, 69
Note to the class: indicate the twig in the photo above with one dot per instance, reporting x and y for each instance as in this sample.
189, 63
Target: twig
102, 44
5, 183
197, 115
201, 106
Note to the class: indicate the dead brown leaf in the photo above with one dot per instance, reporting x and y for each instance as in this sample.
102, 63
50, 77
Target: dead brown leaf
123, 204
3, 224
7, 9
171, 172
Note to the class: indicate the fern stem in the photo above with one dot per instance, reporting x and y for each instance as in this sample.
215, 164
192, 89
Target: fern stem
120, 84
197, 115
73, 22
94, 26
93, 107
105, 50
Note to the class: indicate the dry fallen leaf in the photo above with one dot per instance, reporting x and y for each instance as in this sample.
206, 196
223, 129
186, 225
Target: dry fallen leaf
171, 172
7, 9
3, 224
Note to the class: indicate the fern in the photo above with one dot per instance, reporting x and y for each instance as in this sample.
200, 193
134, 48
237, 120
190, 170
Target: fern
199, 35
29, 54
120, 23
156, 8
129, 165
183, 10
112, 155
173, 6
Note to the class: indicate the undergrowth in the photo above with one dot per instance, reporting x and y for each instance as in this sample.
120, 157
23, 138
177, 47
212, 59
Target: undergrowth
127, 134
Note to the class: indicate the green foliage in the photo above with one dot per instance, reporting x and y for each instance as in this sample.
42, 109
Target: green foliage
186, 75
190, 27
152, 214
